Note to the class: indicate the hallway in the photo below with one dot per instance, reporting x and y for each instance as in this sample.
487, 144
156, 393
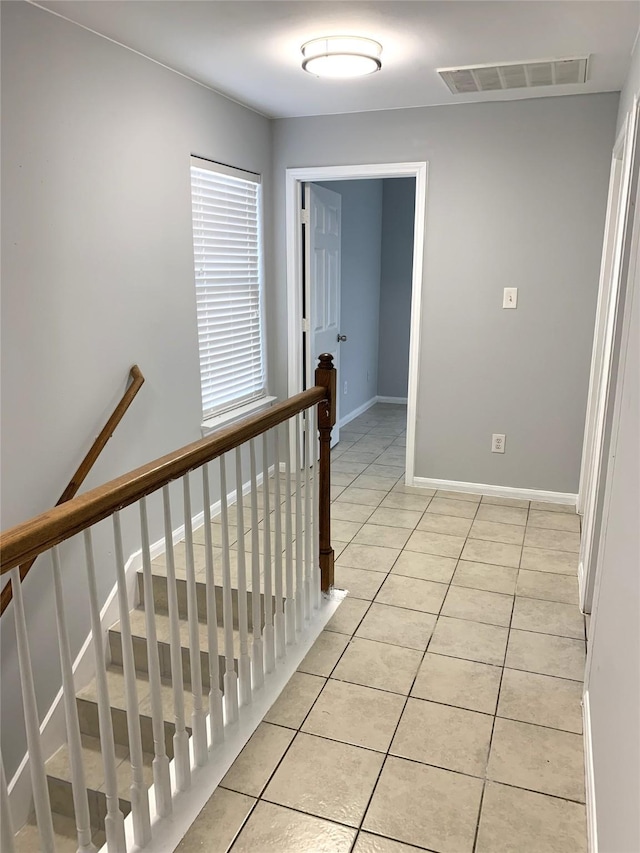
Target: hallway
440, 710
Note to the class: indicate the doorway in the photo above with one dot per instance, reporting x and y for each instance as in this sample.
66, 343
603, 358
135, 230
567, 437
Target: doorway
304, 315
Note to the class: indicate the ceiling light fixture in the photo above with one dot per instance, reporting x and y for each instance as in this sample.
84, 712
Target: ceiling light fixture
341, 56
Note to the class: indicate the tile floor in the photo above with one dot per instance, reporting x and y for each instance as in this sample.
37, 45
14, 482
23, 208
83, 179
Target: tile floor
440, 709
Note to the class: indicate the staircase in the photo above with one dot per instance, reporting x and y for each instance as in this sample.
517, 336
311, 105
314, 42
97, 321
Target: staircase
215, 626
58, 768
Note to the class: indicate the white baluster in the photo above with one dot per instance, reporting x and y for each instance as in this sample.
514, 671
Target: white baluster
198, 720
315, 497
180, 736
138, 791
114, 820
216, 718
36, 761
269, 640
230, 674
6, 825
299, 532
279, 623
308, 532
290, 601
244, 662
161, 778
74, 741
257, 662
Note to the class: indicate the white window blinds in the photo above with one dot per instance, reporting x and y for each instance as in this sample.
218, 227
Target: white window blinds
228, 277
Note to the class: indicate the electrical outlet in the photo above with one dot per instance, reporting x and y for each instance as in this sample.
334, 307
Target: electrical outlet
497, 443
344, 391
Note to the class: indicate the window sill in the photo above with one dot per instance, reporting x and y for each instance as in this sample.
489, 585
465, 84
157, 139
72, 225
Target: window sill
230, 417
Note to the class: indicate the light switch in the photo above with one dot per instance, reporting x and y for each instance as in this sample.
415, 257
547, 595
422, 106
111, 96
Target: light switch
510, 298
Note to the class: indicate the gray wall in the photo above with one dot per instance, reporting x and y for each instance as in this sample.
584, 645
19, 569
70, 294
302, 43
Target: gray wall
613, 680
360, 290
516, 196
97, 273
396, 268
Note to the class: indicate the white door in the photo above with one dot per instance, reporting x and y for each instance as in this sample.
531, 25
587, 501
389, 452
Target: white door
322, 281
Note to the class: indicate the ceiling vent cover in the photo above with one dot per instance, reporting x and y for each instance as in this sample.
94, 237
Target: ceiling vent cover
514, 75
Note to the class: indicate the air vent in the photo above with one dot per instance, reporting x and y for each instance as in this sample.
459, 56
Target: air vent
515, 75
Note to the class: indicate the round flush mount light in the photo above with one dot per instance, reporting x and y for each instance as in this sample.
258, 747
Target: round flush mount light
341, 56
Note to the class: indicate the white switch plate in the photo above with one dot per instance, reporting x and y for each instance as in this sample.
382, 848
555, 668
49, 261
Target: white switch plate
497, 443
510, 297
345, 387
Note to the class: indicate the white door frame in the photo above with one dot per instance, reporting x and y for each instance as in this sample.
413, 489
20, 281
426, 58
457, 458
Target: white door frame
614, 199
632, 293
296, 177
602, 383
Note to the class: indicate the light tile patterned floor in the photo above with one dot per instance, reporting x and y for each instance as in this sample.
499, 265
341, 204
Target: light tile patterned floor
440, 710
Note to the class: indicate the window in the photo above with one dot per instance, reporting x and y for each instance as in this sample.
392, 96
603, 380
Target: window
228, 276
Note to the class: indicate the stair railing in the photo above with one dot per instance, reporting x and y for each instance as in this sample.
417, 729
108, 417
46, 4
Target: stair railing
277, 593
72, 487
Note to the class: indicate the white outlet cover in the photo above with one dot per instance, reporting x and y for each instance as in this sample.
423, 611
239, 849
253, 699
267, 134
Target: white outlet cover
498, 442
510, 297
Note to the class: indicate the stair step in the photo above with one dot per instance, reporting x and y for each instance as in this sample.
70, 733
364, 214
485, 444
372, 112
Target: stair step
59, 776
139, 638
87, 700
160, 599
27, 840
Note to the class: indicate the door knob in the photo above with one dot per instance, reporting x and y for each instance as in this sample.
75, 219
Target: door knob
342, 338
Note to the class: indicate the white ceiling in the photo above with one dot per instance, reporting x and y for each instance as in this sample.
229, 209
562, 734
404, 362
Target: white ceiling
250, 50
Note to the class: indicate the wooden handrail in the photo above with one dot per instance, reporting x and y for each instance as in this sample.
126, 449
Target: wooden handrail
25, 541
137, 381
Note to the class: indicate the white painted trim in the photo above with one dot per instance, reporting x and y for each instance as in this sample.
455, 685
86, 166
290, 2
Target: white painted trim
581, 586
495, 491
397, 400
357, 412
633, 292
590, 786
231, 417
417, 285
590, 418
187, 805
293, 180
606, 413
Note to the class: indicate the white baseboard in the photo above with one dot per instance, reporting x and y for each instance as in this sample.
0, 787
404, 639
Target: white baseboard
496, 491
592, 826
365, 406
359, 411
53, 731
399, 401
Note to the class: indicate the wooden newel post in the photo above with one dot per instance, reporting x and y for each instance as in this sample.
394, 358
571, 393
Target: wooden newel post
326, 377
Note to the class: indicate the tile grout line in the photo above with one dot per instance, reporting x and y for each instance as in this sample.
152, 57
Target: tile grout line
352, 635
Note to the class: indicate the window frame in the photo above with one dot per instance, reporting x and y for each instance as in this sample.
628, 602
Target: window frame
240, 407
